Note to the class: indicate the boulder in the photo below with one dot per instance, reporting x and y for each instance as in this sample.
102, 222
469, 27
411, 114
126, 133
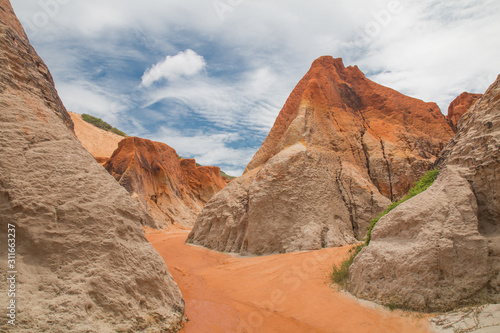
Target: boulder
441, 249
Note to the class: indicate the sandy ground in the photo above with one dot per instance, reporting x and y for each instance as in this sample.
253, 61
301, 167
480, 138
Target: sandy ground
278, 293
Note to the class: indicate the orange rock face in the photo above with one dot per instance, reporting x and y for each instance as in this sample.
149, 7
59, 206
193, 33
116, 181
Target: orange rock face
459, 106
393, 137
340, 150
172, 190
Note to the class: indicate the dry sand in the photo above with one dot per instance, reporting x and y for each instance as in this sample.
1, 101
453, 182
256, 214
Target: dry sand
277, 293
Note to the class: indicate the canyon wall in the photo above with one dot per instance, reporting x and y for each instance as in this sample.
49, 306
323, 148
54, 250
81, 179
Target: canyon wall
171, 189
82, 261
340, 150
441, 249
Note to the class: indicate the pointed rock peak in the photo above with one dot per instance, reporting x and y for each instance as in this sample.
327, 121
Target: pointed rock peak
340, 150
459, 106
327, 66
328, 62
342, 103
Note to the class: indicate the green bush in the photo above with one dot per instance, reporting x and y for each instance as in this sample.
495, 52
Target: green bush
420, 186
97, 122
340, 275
225, 175
117, 131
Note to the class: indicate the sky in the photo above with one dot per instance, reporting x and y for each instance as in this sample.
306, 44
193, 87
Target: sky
209, 77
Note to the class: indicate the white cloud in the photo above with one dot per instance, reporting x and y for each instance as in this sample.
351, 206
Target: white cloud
430, 49
436, 50
187, 63
86, 97
208, 149
252, 102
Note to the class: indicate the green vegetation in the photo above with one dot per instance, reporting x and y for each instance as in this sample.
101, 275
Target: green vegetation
117, 131
225, 175
97, 122
420, 186
340, 275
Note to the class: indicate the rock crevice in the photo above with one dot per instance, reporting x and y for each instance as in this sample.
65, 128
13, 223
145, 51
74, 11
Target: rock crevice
441, 249
332, 161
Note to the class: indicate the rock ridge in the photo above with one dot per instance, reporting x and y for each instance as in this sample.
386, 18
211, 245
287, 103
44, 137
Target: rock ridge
340, 150
171, 189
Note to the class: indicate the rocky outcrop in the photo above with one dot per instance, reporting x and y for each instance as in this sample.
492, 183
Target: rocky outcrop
459, 106
340, 150
100, 143
82, 261
441, 249
173, 190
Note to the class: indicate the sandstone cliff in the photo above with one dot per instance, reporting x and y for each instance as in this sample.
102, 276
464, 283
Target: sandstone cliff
441, 249
459, 106
82, 261
173, 190
100, 143
340, 150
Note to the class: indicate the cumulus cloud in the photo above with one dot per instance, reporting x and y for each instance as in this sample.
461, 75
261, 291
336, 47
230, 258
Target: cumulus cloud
187, 63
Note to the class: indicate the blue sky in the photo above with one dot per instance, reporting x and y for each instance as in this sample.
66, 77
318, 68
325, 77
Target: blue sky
209, 77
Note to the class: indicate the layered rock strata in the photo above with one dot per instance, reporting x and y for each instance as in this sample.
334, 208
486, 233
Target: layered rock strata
340, 150
171, 189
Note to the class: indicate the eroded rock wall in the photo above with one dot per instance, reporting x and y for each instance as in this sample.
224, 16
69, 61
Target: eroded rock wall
172, 190
83, 263
340, 150
441, 249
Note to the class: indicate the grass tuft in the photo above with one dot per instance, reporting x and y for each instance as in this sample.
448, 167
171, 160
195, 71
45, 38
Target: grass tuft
225, 175
340, 274
98, 122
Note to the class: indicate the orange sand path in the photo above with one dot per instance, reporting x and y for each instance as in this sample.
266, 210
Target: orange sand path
279, 293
